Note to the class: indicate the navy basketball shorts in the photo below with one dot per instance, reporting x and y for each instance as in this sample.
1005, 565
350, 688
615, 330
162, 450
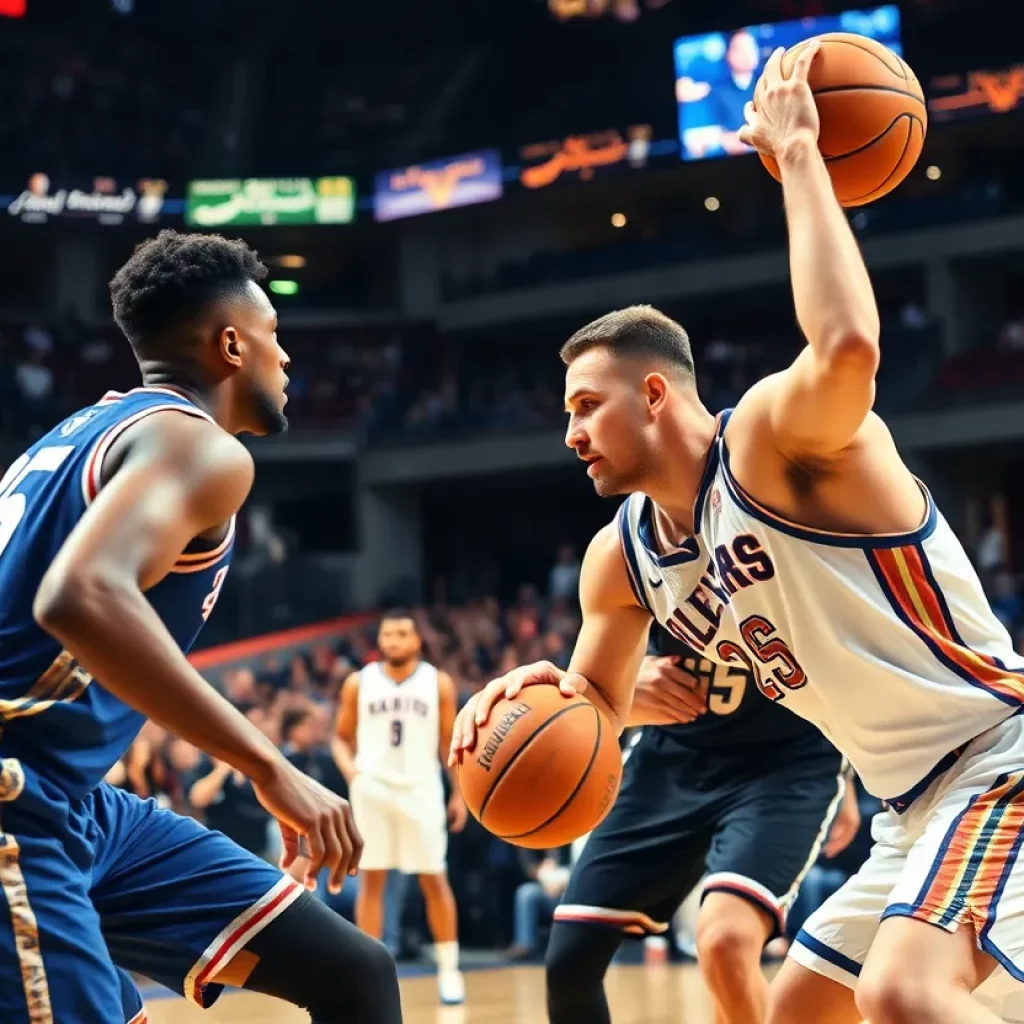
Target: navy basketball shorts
114, 880
748, 820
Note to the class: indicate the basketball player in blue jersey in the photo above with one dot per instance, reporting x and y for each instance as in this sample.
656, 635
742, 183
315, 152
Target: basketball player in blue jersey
788, 536
742, 795
116, 531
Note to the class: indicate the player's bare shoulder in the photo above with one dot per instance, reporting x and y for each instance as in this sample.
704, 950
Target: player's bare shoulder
822, 490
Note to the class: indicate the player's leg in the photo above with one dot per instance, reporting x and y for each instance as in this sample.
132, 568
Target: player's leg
370, 902
422, 838
192, 910
772, 823
634, 871
919, 973
816, 983
54, 965
377, 821
962, 888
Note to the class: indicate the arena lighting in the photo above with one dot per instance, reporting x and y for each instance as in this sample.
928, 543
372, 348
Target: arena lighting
711, 203
933, 172
284, 287
289, 262
618, 220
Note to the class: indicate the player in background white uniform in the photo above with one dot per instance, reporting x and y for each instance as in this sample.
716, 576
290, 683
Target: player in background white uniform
393, 730
790, 537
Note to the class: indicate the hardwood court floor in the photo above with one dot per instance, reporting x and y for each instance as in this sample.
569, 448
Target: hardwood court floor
662, 994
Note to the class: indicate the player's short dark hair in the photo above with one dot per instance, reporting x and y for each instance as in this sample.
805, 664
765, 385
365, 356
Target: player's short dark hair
399, 613
634, 331
172, 278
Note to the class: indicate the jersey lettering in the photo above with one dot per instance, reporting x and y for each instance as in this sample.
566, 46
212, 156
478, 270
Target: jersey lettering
12, 502
211, 598
750, 554
736, 655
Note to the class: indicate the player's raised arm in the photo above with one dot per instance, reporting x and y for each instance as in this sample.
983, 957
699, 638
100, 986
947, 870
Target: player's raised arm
607, 656
816, 406
180, 477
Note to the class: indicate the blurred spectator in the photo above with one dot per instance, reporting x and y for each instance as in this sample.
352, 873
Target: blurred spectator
565, 574
1005, 600
548, 873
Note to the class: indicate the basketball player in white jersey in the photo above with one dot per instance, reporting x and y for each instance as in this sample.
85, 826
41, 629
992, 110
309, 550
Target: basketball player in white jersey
394, 727
789, 537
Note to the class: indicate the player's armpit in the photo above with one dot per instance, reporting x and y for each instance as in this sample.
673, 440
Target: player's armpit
613, 638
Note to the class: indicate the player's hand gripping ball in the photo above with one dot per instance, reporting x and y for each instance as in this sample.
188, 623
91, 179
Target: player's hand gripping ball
544, 764
855, 97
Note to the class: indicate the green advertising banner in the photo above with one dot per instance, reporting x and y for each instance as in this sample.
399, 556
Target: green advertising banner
237, 201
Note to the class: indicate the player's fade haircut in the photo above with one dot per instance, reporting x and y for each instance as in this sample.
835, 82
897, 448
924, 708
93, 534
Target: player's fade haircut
172, 278
394, 614
634, 331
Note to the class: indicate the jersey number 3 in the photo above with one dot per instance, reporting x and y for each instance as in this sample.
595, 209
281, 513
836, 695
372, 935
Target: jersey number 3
12, 501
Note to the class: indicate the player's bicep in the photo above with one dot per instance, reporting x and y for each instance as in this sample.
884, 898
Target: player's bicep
818, 405
613, 637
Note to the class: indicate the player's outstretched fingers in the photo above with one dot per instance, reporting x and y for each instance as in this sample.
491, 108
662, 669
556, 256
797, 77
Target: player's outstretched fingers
340, 868
572, 683
289, 846
356, 837
334, 853
488, 697
316, 857
804, 60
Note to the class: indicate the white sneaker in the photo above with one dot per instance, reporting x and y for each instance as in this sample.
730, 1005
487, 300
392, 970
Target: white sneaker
451, 987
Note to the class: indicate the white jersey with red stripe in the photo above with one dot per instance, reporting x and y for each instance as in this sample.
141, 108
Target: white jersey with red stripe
398, 727
886, 643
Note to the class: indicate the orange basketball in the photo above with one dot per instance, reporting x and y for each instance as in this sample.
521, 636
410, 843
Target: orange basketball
873, 115
545, 769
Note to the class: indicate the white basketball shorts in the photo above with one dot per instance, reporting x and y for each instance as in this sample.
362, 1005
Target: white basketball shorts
952, 857
403, 827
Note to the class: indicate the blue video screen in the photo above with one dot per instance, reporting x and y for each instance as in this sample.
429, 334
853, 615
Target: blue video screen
716, 72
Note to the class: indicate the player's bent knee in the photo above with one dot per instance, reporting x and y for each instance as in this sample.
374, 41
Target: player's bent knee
798, 995
727, 947
895, 996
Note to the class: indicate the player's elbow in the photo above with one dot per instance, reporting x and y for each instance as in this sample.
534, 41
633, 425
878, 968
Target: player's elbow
67, 603
853, 353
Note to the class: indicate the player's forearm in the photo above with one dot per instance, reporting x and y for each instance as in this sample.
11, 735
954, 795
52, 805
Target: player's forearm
344, 757
835, 303
204, 791
114, 634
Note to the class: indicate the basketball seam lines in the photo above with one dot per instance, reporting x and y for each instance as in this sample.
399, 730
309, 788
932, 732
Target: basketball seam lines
572, 795
906, 145
871, 53
529, 739
868, 88
881, 135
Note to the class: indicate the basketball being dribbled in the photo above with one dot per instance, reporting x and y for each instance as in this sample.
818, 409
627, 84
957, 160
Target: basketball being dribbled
872, 111
545, 769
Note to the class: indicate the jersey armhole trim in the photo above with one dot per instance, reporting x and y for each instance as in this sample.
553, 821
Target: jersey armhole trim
630, 560
93, 470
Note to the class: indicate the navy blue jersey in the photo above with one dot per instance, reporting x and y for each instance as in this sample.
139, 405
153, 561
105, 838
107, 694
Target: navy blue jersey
737, 713
55, 719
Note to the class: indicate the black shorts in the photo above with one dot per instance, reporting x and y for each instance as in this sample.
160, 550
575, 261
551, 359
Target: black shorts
751, 819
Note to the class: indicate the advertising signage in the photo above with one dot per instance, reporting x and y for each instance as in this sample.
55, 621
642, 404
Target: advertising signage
584, 156
103, 200
438, 185
238, 201
975, 93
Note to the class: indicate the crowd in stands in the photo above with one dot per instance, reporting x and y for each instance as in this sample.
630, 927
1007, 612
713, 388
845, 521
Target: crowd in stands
102, 98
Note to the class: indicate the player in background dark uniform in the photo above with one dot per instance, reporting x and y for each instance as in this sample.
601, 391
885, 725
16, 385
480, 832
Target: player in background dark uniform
744, 792
116, 531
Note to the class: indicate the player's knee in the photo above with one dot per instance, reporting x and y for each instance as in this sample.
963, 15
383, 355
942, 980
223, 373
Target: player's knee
569, 962
892, 995
728, 946
373, 883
